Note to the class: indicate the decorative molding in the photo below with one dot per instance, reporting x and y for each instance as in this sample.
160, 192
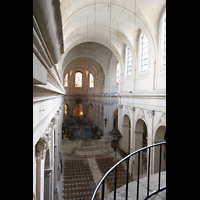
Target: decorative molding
151, 113
141, 113
139, 131
41, 145
48, 171
162, 119
132, 109
126, 110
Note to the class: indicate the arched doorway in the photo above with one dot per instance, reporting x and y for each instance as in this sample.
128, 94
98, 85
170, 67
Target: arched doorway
90, 113
75, 110
126, 138
115, 118
65, 112
160, 136
78, 111
141, 140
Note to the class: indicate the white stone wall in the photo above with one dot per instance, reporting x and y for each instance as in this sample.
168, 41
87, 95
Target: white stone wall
48, 91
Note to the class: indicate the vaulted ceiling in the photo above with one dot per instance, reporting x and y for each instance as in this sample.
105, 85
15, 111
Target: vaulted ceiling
103, 21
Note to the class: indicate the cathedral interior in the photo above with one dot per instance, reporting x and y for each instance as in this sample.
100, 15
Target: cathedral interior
99, 94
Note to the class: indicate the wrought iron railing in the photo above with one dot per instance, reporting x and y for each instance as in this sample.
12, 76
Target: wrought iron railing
127, 158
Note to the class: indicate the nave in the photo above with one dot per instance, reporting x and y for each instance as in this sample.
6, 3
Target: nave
78, 180
81, 173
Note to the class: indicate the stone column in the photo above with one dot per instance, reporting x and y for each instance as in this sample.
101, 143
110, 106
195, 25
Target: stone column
132, 113
138, 136
47, 184
40, 148
120, 113
125, 137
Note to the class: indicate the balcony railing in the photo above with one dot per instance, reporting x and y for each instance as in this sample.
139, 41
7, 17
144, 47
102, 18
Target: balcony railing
127, 158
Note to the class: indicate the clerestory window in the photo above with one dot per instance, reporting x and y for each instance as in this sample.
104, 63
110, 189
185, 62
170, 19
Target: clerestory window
144, 53
78, 79
91, 80
129, 61
66, 80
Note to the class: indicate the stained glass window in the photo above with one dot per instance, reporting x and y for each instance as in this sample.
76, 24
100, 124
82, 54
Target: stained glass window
129, 61
164, 49
144, 53
118, 73
91, 80
66, 80
78, 79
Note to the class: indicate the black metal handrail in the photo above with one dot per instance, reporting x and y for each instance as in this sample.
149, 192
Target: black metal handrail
102, 181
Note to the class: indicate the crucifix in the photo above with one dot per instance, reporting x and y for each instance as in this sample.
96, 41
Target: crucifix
105, 119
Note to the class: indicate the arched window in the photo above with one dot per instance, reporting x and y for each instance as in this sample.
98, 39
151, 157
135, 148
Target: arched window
66, 80
144, 52
164, 41
129, 61
78, 79
91, 80
118, 73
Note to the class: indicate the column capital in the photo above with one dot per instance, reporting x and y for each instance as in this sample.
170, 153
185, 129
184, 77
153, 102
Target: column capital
132, 108
47, 172
41, 145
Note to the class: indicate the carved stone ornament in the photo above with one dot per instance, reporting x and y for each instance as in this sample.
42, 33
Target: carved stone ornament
151, 113
126, 110
141, 113
78, 100
162, 119
41, 145
132, 108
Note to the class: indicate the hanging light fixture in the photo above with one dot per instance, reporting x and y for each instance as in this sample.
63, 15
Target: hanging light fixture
85, 161
92, 184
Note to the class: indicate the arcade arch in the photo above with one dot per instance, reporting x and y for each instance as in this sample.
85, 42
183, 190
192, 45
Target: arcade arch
160, 136
141, 140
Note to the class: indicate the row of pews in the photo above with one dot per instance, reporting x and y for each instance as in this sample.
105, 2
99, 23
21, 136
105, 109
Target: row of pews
104, 165
78, 181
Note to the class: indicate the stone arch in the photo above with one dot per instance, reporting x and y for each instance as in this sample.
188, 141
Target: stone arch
141, 140
160, 136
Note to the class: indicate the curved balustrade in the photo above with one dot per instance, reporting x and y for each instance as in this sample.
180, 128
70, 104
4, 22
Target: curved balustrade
127, 158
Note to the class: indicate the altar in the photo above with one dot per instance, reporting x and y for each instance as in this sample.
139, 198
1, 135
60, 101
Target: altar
86, 143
